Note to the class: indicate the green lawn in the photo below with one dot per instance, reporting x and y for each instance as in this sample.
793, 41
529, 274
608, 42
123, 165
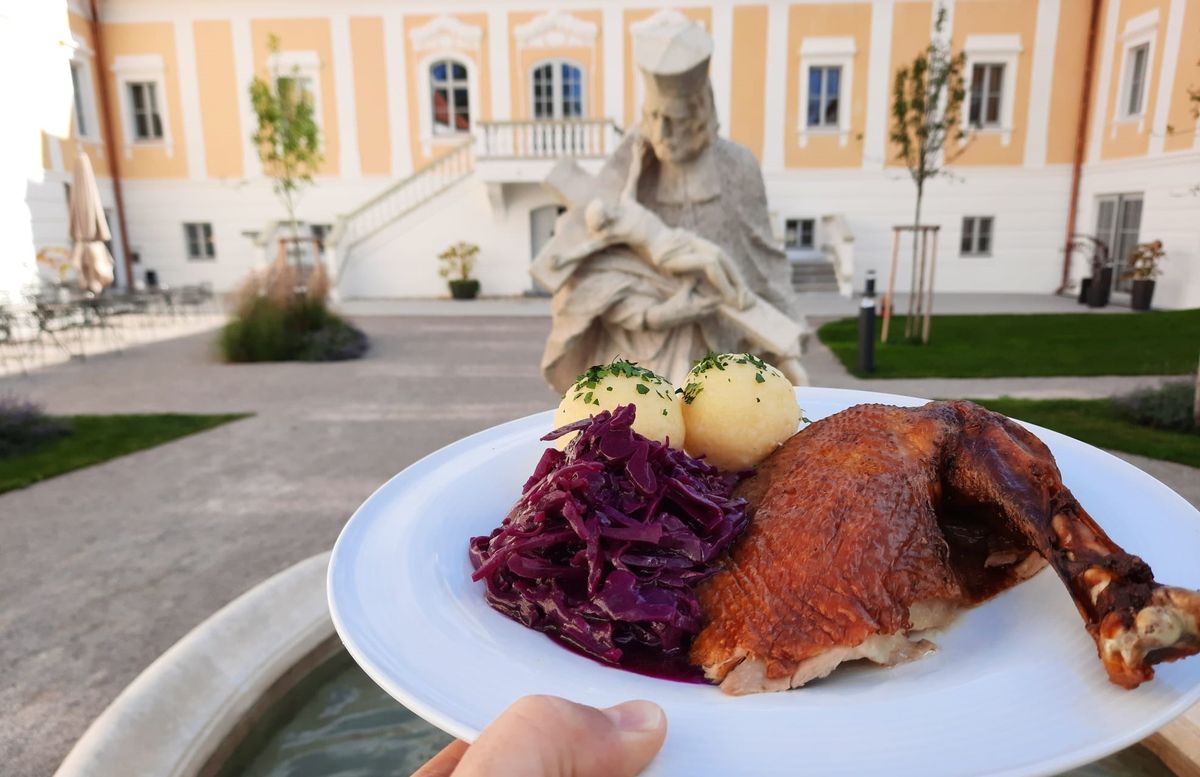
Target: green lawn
1007, 346
98, 438
1097, 422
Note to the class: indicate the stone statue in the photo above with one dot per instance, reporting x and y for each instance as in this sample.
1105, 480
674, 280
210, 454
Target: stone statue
667, 253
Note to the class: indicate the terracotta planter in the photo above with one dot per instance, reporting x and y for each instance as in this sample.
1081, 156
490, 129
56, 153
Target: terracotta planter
464, 289
1140, 295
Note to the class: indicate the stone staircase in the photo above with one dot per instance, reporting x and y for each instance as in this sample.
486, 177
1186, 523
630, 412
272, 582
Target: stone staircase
813, 276
497, 154
397, 202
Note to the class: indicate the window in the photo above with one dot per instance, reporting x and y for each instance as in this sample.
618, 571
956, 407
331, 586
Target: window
826, 73
449, 90
824, 88
976, 236
557, 91
143, 101
81, 116
83, 98
799, 234
199, 239
142, 96
320, 232
1135, 84
992, 71
296, 85
987, 93
1118, 224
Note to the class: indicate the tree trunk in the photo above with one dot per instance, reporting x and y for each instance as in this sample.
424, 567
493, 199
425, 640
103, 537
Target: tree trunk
910, 322
290, 205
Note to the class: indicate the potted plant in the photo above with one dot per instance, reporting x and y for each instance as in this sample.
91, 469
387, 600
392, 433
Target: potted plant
457, 263
1094, 289
1143, 269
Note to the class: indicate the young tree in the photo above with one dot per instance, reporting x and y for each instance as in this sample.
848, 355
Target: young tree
1194, 97
287, 137
926, 123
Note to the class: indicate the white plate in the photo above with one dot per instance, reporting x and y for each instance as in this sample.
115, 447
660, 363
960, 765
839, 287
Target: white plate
1015, 689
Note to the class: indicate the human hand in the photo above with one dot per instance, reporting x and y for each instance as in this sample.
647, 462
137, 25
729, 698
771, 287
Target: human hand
720, 272
545, 736
682, 307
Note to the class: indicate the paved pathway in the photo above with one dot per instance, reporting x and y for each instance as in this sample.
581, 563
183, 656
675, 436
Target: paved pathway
814, 304
103, 569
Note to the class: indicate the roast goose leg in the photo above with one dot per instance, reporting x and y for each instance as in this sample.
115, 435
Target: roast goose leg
880, 520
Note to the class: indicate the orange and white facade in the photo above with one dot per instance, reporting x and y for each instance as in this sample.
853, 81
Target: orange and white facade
440, 119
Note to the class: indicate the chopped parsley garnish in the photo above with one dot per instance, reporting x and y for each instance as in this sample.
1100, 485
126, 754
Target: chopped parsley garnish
590, 379
690, 391
642, 388
719, 361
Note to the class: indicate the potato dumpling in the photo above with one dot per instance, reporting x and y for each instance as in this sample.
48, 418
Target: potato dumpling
603, 387
737, 409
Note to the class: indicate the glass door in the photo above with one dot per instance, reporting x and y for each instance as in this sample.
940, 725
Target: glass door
557, 91
1118, 224
1129, 223
557, 94
114, 249
541, 229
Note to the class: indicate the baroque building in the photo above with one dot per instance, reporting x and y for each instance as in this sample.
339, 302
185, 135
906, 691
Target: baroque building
440, 121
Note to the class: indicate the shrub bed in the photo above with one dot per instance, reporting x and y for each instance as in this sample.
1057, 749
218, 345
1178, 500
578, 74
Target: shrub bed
1169, 406
23, 426
282, 316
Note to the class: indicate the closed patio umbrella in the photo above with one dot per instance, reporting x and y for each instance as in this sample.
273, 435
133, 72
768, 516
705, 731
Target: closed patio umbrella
89, 229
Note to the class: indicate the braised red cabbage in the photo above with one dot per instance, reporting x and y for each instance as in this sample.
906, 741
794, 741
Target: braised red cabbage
608, 540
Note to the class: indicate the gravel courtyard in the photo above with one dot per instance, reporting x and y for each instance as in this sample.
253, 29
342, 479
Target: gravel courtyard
103, 569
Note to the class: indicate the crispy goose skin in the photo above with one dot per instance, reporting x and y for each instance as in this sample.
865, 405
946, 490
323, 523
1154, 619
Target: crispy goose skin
881, 520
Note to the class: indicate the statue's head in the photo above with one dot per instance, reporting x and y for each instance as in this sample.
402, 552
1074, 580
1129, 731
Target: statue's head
678, 117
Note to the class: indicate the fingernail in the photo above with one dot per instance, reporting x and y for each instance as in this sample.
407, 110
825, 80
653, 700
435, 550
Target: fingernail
635, 716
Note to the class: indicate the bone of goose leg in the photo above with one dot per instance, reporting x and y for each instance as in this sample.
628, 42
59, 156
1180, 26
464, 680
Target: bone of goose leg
1167, 628
1076, 536
1097, 580
1183, 608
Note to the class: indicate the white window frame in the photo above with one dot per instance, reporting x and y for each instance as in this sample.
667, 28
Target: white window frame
445, 37
450, 83
821, 123
151, 112
986, 90
82, 57
429, 138
1140, 30
300, 64
975, 253
992, 50
137, 68
828, 51
208, 248
556, 86
809, 252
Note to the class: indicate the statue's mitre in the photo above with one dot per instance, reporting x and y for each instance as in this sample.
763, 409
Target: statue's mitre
672, 52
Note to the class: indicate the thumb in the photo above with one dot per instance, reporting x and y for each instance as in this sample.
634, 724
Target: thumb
544, 736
